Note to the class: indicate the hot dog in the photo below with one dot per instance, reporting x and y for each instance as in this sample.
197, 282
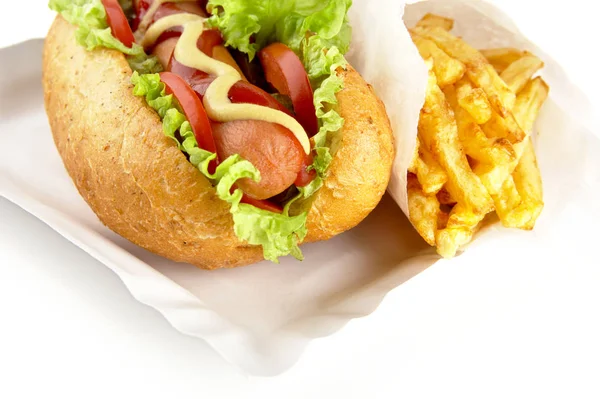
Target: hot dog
216, 133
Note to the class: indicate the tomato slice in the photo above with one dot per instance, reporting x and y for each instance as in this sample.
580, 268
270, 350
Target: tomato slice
305, 176
262, 204
141, 7
244, 92
193, 109
209, 39
284, 70
119, 26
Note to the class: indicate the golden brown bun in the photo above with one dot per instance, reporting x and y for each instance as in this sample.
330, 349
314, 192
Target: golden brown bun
142, 187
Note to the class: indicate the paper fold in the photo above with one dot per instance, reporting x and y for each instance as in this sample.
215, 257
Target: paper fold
383, 52
262, 317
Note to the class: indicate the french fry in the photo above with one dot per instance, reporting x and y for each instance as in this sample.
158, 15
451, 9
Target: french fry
494, 157
448, 241
478, 69
458, 232
525, 173
503, 193
430, 20
528, 104
517, 74
528, 182
506, 200
527, 107
447, 69
501, 58
504, 127
475, 126
429, 172
475, 143
483, 75
423, 210
474, 101
438, 131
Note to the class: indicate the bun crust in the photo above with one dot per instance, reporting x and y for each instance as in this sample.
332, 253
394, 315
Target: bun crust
141, 186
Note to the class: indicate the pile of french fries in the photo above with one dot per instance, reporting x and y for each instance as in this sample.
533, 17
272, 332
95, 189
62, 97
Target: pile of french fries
474, 153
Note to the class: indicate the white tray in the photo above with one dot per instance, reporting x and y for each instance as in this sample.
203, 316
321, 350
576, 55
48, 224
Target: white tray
262, 317
258, 317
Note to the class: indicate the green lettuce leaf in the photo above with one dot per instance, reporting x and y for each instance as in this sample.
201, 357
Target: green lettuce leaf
321, 64
278, 234
93, 31
144, 64
249, 25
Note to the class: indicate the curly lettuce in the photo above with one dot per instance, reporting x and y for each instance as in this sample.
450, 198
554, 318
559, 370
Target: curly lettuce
317, 30
321, 65
249, 25
93, 32
278, 234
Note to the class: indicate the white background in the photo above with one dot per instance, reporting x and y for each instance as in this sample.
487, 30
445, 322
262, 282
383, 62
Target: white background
69, 327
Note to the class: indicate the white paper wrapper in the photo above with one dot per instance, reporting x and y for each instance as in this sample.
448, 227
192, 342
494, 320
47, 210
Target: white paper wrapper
384, 54
262, 317
259, 317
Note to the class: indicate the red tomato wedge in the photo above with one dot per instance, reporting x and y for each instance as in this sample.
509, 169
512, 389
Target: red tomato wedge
244, 92
193, 109
141, 7
262, 204
209, 40
119, 26
305, 176
284, 70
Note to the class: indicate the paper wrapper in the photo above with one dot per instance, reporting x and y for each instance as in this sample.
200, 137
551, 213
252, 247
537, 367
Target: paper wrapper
383, 52
261, 317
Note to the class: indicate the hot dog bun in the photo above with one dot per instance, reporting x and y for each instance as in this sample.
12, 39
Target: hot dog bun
141, 185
